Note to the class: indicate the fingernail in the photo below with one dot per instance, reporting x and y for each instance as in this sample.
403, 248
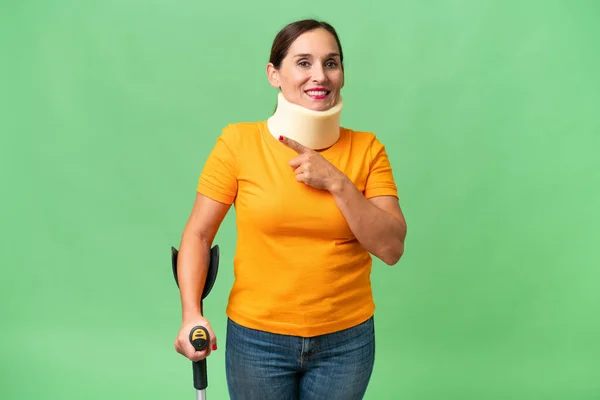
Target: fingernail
214, 346
280, 138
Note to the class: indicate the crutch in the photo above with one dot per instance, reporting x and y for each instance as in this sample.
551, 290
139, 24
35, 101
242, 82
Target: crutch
199, 337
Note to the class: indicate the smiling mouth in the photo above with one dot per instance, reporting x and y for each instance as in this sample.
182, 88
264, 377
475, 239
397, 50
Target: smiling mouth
318, 94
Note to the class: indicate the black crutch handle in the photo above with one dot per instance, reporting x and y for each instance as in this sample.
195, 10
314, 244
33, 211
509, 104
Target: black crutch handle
199, 338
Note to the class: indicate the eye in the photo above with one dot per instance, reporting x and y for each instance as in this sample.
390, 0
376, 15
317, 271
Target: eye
303, 63
331, 64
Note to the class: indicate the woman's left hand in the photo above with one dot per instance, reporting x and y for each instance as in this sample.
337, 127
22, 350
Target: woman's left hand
312, 168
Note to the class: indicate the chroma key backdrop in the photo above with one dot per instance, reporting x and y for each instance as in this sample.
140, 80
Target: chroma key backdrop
489, 111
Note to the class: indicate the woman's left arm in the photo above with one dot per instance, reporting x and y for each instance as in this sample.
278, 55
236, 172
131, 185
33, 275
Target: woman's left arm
377, 223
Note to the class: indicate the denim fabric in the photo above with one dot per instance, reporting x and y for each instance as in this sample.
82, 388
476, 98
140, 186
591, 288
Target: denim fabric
265, 366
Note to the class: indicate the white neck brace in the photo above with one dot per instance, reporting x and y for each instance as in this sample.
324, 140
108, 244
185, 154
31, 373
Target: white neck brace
313, 129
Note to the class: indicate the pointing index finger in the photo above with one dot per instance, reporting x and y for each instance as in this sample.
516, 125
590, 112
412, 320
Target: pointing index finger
297, 147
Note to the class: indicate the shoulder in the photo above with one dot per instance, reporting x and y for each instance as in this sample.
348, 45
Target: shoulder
363, 140
243, 128
239, 132
238, 135
360, 135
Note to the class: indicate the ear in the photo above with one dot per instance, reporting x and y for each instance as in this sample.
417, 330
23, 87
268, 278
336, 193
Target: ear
273, 76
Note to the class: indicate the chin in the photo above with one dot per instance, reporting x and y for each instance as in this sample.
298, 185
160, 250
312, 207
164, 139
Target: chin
319, 105
316, 107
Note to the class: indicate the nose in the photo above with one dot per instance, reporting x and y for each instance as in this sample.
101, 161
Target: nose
318, 74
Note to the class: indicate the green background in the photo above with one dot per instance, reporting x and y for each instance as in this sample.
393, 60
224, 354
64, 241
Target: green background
488, 109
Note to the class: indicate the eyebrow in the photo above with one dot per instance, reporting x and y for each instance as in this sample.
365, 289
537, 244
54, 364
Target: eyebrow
310, 55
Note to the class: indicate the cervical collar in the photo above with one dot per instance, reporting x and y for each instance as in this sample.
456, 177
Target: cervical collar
313, 129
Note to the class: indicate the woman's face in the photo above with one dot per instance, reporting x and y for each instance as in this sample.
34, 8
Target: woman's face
311, 73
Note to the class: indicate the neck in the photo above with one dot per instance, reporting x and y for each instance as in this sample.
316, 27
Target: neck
313, 129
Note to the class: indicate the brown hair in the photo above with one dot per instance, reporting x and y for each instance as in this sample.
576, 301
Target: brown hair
290, 32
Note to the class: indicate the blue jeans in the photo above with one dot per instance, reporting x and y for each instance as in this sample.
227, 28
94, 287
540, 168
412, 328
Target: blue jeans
265, 366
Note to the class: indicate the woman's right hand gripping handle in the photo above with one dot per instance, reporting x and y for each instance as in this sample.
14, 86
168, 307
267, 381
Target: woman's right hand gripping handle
188, 337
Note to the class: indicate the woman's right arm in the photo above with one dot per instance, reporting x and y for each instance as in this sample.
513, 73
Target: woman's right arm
192, 268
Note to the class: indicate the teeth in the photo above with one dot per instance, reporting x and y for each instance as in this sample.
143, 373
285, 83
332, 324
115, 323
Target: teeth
317, 93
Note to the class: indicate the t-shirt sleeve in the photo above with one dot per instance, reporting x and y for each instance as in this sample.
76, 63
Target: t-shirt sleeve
218, 179
380, 181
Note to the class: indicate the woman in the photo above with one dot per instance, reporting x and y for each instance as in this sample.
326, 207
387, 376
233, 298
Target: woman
313, 201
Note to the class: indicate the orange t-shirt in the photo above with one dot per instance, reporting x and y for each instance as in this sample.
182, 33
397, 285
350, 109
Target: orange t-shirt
298, 268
